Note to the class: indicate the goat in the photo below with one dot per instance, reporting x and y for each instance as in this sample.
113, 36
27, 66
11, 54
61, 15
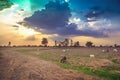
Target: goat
107, 50
103, 50
92, 55
115, 50
64, 50
64, 59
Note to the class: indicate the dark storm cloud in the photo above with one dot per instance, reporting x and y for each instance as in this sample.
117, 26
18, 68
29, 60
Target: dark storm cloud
95, 8
55, 15
38, 4
111, 5
72, 30
94, 14
111, 22
54, 20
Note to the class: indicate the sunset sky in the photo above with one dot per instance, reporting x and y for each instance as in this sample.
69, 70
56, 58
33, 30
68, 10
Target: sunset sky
26, 22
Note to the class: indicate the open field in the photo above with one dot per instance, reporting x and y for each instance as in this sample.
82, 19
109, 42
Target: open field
103, 66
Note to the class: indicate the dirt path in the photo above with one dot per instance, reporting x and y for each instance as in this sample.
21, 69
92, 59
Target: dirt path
14, 66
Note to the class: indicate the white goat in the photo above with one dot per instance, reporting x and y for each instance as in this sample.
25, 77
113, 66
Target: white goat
103, 50
92, 55
115, 50
64, 50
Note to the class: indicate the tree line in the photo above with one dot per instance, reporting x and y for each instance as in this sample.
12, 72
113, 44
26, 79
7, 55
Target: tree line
65, 43
70, 43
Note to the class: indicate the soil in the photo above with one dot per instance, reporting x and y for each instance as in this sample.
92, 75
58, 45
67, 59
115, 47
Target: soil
15, 66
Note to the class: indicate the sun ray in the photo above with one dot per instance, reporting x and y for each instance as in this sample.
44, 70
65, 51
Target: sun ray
26, 31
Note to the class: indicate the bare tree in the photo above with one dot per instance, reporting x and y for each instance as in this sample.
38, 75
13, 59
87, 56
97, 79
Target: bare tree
71, 42
9, 43
55, 43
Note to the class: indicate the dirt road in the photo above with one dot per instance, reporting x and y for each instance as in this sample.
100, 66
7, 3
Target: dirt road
15, 66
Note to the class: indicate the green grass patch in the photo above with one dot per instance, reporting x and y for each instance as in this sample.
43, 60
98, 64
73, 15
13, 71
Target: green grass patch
108, 68
114, 61
100, 73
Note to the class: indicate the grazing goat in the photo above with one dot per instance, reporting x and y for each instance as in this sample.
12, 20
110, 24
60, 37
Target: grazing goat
115, 50
64, 50
64, 59
107, 50
92, 55
103, 50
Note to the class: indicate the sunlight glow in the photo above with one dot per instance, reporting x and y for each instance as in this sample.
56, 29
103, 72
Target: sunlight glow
74, 20
66, 0
11, 16
26, 31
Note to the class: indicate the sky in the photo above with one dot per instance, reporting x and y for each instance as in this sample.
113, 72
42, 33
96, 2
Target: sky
26, 22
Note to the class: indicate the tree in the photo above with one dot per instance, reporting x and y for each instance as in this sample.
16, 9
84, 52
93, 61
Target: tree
44, 42
77, 44
62, 43
71, 42
115, 45
89, 44
9, 43
66, 42
55, 43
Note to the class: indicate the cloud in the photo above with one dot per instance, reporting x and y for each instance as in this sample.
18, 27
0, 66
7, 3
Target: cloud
94, 9
93, 14
5, 4
55, 15
72, 30
54, 19
31, 38
105, 16
38, 4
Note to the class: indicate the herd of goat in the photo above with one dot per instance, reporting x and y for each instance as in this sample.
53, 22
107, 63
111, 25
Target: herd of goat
115, 51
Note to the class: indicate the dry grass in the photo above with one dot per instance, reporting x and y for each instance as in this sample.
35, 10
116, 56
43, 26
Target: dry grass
75, 56
79, 59
15, 66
